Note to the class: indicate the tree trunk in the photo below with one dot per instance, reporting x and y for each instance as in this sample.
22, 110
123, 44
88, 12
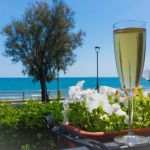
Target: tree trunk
44, 94
59, 94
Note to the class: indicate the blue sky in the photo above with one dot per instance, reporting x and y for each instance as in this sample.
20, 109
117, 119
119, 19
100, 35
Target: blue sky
96, 18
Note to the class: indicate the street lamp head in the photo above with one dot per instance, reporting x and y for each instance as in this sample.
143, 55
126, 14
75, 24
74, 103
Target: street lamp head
97, 49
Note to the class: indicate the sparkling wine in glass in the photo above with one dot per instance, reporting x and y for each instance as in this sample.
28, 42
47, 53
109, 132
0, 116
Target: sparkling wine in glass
130, 47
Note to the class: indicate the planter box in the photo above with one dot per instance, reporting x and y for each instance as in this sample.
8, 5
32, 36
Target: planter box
102, 136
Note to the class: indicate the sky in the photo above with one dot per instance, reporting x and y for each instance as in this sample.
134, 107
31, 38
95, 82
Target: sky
95, 18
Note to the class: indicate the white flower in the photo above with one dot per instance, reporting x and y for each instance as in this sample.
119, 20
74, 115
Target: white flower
117, 110
87, 93
121, 93
115, 107
103, 100
107, 108
75, 92
80, 84
106, 90
121, 99
93, 101
120, 112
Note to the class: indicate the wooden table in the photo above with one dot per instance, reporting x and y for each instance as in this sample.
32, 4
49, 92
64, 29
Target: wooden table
89, 144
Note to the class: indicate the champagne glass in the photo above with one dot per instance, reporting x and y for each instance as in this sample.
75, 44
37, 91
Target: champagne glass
130, 46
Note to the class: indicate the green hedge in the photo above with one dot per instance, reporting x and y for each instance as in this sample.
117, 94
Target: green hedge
29, 115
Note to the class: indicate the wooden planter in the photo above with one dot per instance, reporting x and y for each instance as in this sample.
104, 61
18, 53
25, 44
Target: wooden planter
102, 136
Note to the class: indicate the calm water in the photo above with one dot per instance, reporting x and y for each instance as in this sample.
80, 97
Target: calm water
21, 84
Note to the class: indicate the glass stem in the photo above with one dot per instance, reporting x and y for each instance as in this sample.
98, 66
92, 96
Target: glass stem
130, 113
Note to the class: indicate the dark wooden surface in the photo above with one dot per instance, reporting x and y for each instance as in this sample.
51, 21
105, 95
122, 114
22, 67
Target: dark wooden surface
88, 144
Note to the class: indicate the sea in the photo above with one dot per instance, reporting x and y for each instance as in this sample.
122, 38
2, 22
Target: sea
23, 88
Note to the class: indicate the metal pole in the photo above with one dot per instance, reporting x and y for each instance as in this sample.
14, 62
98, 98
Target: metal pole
97, 87
97, 49
23, 95
58, 86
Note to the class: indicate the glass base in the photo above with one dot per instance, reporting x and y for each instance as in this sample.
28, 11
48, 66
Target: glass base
131, 140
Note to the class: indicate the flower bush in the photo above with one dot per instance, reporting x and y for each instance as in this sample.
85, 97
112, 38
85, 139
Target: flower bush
106, 110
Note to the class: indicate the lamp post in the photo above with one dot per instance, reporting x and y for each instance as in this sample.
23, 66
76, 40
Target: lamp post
97, 49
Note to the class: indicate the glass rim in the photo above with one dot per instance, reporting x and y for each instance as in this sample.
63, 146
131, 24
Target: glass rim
129, 24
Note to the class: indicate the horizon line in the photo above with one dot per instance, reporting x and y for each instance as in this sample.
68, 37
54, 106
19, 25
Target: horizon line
69, 77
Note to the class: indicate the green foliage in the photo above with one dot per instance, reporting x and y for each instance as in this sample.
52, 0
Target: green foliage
98, 120
142, 109
9, 116
29, 115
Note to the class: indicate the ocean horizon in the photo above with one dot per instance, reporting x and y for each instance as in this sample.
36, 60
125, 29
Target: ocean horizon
27, 83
